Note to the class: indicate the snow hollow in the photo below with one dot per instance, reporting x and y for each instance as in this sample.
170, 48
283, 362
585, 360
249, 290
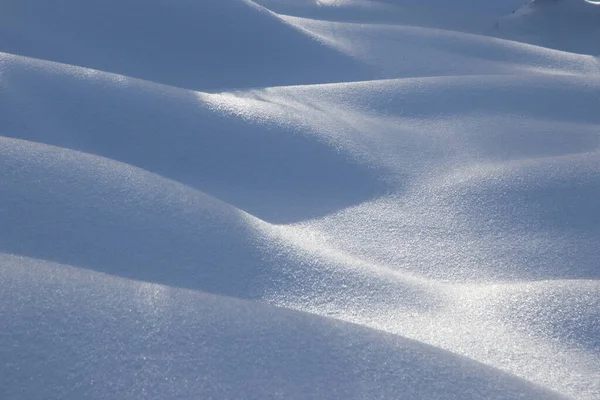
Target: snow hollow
327, 199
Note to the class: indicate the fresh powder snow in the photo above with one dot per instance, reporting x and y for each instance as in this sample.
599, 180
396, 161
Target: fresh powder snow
311, 199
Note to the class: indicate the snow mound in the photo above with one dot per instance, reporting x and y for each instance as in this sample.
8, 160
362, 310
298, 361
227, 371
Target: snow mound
208, 45
182, 135
571, 25
81, 209
428, 170
477, 156
436, 52
74, 334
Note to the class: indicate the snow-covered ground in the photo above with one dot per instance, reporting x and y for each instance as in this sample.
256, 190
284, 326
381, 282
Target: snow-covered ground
299, 199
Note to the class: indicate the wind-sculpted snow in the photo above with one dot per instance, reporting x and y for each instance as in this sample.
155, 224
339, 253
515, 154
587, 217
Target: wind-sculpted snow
441, 52
188, 188
570, 25
86, 335
208, 45
183, 136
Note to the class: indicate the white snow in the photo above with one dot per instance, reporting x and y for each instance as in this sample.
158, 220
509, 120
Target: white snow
299, 199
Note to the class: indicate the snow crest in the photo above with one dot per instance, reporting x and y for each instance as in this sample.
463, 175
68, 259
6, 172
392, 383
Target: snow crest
299, 199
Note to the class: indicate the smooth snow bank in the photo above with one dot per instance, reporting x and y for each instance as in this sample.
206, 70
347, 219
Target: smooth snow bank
207, 45
568, 25
436, 52
464, 158
454, 204
463, 15
72, 207
81, 209
412, 172
571, 25
183, 136
71, 334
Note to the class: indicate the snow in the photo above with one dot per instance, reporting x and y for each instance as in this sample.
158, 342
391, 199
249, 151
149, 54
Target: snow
544, 22
89, 335
299, 199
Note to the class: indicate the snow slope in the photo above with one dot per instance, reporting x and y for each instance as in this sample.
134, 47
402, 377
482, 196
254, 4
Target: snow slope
139, 340
203, 199
209, 45
549, 23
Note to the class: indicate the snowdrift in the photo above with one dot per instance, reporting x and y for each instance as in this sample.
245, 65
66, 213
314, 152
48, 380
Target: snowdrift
208, 45
299, 199
571, 25
140, 340
182, 136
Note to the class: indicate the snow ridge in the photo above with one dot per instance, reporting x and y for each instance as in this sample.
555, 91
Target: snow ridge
298, 199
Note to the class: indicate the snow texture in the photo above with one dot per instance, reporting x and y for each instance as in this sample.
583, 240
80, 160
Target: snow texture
299, 199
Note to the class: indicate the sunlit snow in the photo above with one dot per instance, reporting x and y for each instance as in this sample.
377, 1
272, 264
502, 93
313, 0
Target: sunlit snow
299, 199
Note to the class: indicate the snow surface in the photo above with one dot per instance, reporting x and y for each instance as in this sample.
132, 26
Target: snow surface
299, 199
